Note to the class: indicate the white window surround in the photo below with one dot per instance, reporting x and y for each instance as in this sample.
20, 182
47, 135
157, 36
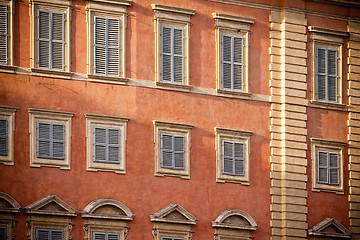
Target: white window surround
176, 129
174, 18
8, 114
55, 117
7, 66
111, 122
232, 136
234, 27
322, 38
56, 6
331, 147
109, 9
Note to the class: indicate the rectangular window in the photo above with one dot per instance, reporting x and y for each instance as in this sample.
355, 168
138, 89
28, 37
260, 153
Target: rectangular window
2, 233
327, 74
172, 54
328, 168
107, 145
49, 234
232, 62
50, 140
233, 158
3, 137
107, 46
105, 236
172, 151
51, 28
4, 34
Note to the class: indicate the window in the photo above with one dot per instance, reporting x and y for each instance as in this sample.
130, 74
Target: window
7, 127
172, 149
6, 33
172, 30
106, 39
327, 61
9, 207
232, 153
232, 41
106, 143
327, 165
49, 234
50, 134
50, 28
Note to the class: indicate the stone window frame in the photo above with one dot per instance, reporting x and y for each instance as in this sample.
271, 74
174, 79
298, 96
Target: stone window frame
173, 129
173, 221
232, 135
9, 207
49, 116
320, 230
8, 67
236, 26
329, 39
234, 224
327, 146
43, 215
120, 123
178, 18
8, 113
106, 223
107, 9
63, 6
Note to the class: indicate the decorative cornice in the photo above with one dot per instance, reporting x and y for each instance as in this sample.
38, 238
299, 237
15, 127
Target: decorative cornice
239, 19
159, 7
328, 31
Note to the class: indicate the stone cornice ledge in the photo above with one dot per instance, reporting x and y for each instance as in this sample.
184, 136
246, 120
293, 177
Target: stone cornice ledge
172, 125
228, 131
107, 79
55, 2
7, 69
239, 19
113, 2
173, 86
50, 112
106, 117
327, 142
328, 31
159, 7
328, 105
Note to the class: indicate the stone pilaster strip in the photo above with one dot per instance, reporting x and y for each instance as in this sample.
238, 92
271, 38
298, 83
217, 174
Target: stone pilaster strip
288, 125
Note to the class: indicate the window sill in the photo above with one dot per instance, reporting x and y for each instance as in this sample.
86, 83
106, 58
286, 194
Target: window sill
107, 79
173, 86
43, 162
328, 105
328, 188
7, 69
230, 179
50, 73
234, 94
172, 173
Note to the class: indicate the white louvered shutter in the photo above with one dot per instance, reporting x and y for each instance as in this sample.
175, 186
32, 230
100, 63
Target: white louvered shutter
178, 56
113, 236
322, 167
100, 144
57, 235
57, 38
44, 140
2, 233
113, 38
3, 137
239, 159
179, 152
332, 75
58, 141
238, 63
334, 168
228, 161
43, 234
166, 150
99, 236
166, 54
44, 42
113, 145
226, 62
321, 74
4, 34
100, 45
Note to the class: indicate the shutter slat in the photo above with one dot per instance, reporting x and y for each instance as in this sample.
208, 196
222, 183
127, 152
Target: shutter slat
166, 151
334, 168
238, 50
58, 141
226, 62
239, 167
178, 55
44, 39
57, 55
3, 34
114, 145
44, 140
238, 77
42, 234
100, 144
113, 236
99, 236
3, 137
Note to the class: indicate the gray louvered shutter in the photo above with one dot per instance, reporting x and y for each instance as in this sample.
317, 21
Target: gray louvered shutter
43, 234
57, 235
227, 157
322, 167
44, 39
238, 63
113, 38
179, 152
178, 56
2, 233
239, 159
58, 141
100, 144
100, 45
332, 74
43, 140
321, 74
113, 145
3, 137
166, 54
58, 43
4, 34
226, 62
334, 168
166, 150
113, 236
99, 236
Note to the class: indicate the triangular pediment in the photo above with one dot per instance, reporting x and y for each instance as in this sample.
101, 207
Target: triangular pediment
51, 205
173, 213
330, 227
8, 204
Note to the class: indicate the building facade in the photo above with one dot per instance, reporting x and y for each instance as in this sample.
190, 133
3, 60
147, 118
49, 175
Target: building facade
179, 120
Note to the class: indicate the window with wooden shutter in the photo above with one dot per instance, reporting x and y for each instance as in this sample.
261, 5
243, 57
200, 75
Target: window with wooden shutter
107, 145
171, 238
50, 140
107, 46
3, 233
51, 42
327, 74
49, 234
4, 31
3, 137
172, 151
105, 236
232, 62
172, 54
233, 158
328, 168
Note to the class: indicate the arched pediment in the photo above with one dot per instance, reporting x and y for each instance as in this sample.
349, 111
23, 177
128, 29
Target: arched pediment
330, 227
8, 204
235, 219
51, 205
173, 213
108, 209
